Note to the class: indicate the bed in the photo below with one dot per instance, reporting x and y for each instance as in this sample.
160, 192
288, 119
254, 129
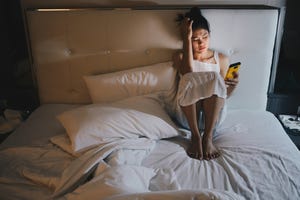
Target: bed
102, 130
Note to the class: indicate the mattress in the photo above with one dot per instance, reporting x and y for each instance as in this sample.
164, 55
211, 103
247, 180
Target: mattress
258, 161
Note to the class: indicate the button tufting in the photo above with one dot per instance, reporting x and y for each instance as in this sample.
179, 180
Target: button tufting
231, 51
72, 91
147, 52
68, 52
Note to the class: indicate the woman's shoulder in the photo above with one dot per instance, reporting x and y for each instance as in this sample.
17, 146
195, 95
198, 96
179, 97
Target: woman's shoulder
223, 58
221, 55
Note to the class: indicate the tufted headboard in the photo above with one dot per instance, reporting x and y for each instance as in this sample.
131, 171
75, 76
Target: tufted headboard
67, 44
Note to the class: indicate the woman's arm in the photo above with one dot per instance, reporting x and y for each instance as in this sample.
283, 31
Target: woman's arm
224, 64
187, 55
230, 83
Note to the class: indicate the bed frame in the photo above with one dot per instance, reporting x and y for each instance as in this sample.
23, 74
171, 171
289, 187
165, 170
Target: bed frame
67, 41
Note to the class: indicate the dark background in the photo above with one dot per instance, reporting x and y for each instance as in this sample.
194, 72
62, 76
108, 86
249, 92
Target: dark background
286, 96
288, 76
16, 84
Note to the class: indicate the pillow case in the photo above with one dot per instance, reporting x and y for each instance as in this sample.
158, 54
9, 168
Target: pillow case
135, 117
105, 88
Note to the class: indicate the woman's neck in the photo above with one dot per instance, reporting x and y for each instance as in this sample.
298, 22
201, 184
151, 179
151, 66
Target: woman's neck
206, 56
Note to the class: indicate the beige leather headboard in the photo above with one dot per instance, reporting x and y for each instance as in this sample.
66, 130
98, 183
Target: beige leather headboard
66, 45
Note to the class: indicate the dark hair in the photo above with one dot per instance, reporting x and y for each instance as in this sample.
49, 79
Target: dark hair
199, 21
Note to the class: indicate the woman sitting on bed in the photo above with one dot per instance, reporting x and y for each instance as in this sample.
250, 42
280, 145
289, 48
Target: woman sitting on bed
202, 90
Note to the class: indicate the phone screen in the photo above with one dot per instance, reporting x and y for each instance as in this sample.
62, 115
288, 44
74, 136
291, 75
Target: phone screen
232, 68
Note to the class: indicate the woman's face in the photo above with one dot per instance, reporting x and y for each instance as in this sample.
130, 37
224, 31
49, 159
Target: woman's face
200, 40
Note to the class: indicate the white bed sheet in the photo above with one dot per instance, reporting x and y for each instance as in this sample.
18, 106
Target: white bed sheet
39, 127
258, 161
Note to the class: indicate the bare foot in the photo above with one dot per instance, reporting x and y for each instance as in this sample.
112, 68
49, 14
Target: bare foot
195, 150
209, 150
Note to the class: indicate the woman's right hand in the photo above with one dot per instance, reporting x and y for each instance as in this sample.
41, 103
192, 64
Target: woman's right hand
186, 28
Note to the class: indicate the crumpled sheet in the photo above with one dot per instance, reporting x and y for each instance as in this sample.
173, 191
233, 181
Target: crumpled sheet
31, 172
77, 172
201, 194
253, 164
109, 169
119, 174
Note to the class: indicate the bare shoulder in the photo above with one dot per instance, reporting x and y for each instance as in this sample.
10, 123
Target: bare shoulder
223, 57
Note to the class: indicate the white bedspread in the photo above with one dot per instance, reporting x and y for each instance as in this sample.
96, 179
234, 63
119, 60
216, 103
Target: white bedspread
84, 163
258, 161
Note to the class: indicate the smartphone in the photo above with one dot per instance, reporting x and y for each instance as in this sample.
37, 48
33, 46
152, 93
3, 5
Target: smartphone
234, 67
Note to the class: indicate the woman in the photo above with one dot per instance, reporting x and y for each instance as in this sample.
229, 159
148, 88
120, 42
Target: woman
202, 86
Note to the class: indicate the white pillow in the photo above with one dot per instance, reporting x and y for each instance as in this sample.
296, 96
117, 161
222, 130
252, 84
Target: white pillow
105, 88
135, 117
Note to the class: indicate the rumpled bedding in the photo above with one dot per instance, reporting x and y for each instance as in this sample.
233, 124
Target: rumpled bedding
85, 163
106, 172
31, 172
257, 161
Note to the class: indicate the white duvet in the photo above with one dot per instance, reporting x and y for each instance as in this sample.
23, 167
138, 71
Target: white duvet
258, 161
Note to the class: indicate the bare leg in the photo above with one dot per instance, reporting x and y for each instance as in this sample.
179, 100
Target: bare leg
212, 107
195, 150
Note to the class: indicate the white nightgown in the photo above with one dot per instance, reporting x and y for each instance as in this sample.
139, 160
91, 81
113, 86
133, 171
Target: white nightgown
203, 82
